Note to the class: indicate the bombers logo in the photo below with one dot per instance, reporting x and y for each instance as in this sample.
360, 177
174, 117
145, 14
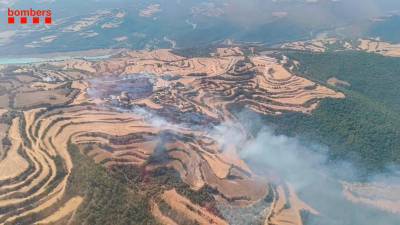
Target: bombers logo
24, 16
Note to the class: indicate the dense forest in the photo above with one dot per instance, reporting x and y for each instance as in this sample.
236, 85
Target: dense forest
363, 128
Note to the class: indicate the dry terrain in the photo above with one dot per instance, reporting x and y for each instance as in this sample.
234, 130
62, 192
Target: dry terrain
378, 195
325, 44
148, 110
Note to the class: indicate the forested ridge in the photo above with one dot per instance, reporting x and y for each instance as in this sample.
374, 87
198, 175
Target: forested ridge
364, 128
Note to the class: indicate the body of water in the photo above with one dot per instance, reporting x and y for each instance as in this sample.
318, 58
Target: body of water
30, 60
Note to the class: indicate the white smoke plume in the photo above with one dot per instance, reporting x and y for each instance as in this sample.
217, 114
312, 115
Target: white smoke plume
317, 180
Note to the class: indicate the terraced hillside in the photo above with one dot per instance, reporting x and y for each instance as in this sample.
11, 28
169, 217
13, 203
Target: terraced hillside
322, 45
146, 119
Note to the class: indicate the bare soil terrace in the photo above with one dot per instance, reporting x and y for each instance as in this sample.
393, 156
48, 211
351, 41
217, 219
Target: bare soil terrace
48, 107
